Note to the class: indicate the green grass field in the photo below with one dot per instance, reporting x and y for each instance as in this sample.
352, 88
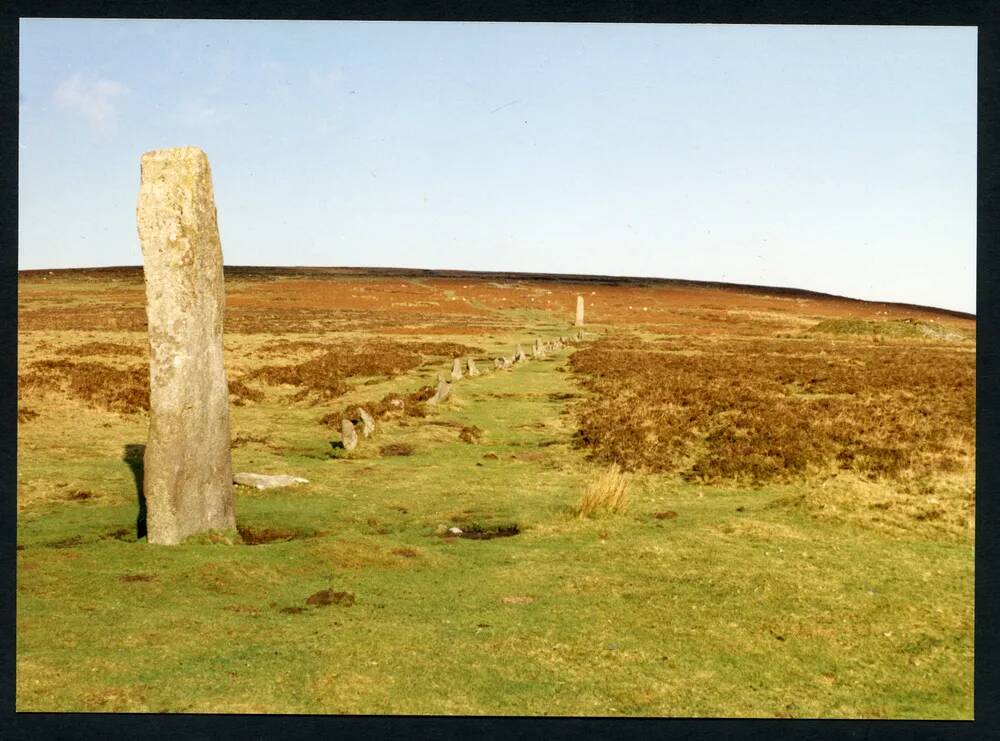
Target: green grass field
736, 606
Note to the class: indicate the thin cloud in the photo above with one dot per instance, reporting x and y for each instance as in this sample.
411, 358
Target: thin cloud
92, 98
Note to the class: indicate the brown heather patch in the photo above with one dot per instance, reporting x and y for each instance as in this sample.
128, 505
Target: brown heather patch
470, 434
770, 410
325, 375
396, 449
111, 349
240, 393
24, 414
413, 406
125, 391
84, 318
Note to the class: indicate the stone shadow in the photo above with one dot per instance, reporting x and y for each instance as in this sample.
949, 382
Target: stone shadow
133, 455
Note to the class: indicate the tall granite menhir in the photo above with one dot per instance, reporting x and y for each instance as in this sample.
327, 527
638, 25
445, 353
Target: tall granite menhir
188, 477
579, 311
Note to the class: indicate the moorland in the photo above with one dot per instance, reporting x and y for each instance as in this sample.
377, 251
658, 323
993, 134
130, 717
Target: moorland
793, 534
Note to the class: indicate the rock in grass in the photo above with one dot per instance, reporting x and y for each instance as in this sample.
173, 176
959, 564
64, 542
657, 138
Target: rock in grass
519, 356
498, 363
507, 363
367, 422
473, 370
442, 393
456, 369
348, 435
267, 481
188, 474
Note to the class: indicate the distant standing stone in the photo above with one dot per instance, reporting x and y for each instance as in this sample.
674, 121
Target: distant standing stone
267, 481
473, 370
442, 393
367, 422
456, 369
507, 363
498, 363
188, 474
579, 311
348, 434
519, 355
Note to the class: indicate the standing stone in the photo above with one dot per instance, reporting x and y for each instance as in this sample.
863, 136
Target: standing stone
519, 355
538, 350
579, 311
456, 369
507, 363
348, 434
187, 469
442, 393
473, 370
498, 363
367, 422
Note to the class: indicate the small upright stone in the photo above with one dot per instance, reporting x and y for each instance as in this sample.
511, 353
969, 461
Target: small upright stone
519, 355
507, 363
498, 363
473, 370
188, 475
348, 434
442, 393
367, 422
456, 369
579, 311
538, 349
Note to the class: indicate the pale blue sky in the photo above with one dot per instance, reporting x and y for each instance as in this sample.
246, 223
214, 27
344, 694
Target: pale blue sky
838, 159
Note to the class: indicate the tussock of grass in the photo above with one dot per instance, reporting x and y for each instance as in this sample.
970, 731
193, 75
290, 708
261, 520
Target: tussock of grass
606, 494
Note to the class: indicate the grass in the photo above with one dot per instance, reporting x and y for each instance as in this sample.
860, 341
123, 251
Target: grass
699, 599
607, 493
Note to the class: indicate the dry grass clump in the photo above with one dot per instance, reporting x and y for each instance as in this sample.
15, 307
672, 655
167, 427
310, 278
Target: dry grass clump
771, 410
125, 391
606, 494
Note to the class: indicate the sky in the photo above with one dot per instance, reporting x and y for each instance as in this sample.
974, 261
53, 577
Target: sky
832, 158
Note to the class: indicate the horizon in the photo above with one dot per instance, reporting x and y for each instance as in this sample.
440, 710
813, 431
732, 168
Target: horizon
518, 274
580, 149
